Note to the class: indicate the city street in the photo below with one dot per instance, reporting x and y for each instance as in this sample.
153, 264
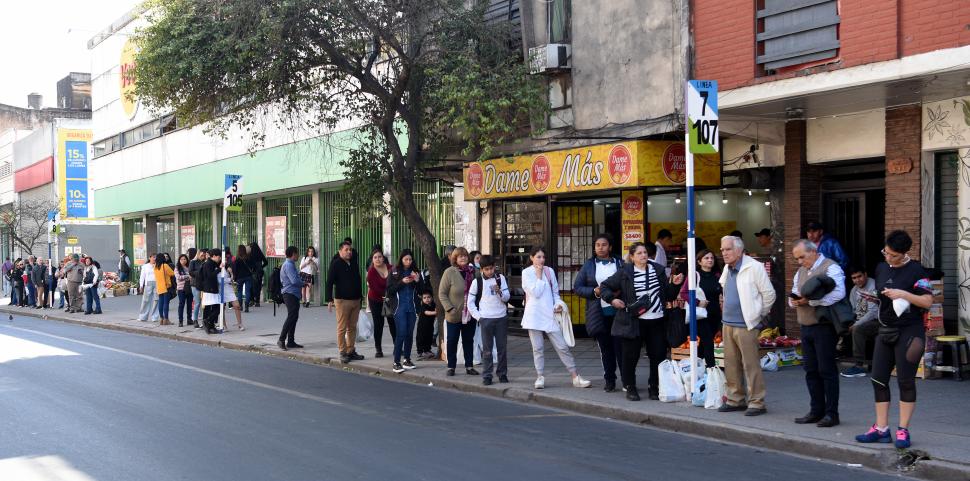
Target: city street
89, 404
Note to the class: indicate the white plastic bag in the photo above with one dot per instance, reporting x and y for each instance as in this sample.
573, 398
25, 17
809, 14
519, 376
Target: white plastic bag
365, 327
684, 368
770, 361
671, 385
698, 395
716, 387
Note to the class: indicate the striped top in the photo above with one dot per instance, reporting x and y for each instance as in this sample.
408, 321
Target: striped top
645, 283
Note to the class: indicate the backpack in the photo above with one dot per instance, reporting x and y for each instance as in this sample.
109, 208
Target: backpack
276, 286
100, 272
480, 283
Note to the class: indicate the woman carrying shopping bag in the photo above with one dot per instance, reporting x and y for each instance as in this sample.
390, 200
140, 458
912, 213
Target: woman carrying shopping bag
541, 294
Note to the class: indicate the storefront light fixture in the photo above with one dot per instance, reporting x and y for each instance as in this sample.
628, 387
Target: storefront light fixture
700, 200
724, 197
749, 193
677, 200
767, 202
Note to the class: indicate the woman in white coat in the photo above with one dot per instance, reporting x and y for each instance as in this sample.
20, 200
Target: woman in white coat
541, 295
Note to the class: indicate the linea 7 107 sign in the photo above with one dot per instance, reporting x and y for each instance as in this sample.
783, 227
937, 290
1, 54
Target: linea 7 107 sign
702, 116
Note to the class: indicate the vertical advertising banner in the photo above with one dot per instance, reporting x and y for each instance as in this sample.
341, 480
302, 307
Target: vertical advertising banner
632, 217
141, 250
276, 236
72, 173
188, 237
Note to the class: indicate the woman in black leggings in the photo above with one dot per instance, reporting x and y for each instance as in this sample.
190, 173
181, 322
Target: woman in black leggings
901, 338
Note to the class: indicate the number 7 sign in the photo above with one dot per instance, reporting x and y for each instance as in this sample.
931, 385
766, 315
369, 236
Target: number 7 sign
702, 116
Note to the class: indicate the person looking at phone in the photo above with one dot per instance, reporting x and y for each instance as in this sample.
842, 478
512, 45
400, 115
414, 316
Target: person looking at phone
488, 298
404, 295
866, 307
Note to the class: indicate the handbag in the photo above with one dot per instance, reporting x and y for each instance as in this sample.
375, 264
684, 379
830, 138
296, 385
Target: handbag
386, 309
171, 287
888, 335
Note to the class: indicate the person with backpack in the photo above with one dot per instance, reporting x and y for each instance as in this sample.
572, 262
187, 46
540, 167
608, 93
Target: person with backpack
243, 276
402, 294
257, 264
92, 277
198, 258
489, 295
290, 285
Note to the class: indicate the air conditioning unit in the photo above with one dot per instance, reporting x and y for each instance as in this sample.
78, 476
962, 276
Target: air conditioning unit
549, 58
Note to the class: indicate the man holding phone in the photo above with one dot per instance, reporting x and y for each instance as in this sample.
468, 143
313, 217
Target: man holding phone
489, 298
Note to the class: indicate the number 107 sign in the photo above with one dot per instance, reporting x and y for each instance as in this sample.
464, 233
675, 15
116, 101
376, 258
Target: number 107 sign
702, 116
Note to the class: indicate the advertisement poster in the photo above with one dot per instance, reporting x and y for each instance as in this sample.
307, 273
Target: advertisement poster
72, 168
140, 250
188, 237
276, 236
632, 217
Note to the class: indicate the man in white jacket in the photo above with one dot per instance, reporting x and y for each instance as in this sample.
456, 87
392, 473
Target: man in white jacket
488, 299
748, 297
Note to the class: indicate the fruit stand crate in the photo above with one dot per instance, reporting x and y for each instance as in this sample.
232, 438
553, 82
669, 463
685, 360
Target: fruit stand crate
790, 356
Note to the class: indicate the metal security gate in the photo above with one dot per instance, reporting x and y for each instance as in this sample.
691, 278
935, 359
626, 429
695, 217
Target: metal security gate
342, 217
130, 227
947, 232
574, 244
241, 226
299, 225
202, 220
436, 205
166, 236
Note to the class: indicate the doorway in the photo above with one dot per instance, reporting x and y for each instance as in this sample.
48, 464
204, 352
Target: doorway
854, 209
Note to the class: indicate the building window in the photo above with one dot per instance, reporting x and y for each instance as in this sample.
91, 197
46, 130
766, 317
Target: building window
137, 135
792, 33
558, 14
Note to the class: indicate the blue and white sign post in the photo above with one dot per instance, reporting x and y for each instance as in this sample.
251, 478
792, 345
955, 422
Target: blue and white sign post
231, 202
702, 138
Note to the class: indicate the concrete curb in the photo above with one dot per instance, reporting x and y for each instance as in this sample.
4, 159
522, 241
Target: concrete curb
877, 459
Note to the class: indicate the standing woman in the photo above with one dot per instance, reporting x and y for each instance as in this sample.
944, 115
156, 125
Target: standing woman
640, 294
542, 295
195, 271
243, 276
90, 287
183, 286
227, 276
257, 264
901, 338
163, 283
17, 281
309, 267
708, 282
451, 291
376, 292
404, 295
148, 288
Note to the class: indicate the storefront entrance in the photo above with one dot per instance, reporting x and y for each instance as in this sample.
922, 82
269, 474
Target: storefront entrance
854, 199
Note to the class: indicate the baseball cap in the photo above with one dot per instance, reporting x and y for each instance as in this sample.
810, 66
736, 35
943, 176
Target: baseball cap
763, 232
814, 226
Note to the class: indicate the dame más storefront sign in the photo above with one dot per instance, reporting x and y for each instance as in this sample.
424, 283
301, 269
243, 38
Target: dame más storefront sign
598, 167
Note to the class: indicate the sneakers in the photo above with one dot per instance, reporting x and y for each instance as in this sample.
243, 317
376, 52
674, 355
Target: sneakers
903, 440
487, 381
540, 383
450, 372
578, 381
503, 379
854, 371
398, 368
345, 358
874, 435
354, 356
472, 372
407, 364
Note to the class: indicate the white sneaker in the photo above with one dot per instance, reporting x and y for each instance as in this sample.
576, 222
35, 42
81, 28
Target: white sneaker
578, 381
540, 383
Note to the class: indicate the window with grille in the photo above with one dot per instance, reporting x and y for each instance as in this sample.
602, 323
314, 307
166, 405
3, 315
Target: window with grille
796, 32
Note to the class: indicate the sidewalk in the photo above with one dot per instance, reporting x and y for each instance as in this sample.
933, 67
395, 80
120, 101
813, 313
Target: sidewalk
940, 426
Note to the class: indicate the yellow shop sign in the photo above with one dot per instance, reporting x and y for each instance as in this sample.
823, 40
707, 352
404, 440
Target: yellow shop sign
642, 163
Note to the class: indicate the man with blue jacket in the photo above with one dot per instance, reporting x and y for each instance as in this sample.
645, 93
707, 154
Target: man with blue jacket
827, 244
599, 314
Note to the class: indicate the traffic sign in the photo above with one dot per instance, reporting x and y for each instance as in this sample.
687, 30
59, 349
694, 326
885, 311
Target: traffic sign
702, 116
234, 193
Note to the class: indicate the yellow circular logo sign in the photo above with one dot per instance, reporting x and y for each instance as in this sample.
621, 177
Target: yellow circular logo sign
127, 80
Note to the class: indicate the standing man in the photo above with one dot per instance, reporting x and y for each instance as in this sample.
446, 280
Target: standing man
664, 238
819, 336
291, 287
74, 273
124, 265
31, 289
38, 276
5, 270
344, 294
764, 241
209, 286
489, 304
748, 296
599, 313
862, 297
827, 244
353, 252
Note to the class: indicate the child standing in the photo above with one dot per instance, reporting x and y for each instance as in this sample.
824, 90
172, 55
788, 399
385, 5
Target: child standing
427, 315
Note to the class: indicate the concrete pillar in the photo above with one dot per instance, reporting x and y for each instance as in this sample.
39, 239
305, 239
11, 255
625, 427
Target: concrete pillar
179, 248
802, 200
315, 218
216, 226
260, 235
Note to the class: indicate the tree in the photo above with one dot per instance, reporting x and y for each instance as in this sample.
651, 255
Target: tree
26, 221
427, 78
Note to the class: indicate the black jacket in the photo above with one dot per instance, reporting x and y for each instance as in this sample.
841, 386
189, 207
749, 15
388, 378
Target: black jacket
17, 276
620, 286
240, 269
395, 282
209, 277
195, 267
343, 281
38, 276
583, 287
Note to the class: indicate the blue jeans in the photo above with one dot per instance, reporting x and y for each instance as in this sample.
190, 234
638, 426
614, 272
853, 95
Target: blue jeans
163, 301
244, 290
122, 277
14, 296
196, 303
31, 294
91, 295
404, 321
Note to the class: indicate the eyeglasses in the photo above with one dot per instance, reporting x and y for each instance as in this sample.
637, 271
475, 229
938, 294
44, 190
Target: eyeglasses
890, 256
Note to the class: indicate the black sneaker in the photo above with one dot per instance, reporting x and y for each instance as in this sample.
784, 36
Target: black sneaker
408, 364
727, 408
355, 357
379, 354
293, 345
471, 371
487, 381
503, 379
279, 344
610, 386
450, 372
398, 368
344, 358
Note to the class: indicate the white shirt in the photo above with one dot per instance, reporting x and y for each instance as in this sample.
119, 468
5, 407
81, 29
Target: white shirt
661, 257
603, 272
310, 265
541, 297
147, 275
835, 273
490, 306
645, 282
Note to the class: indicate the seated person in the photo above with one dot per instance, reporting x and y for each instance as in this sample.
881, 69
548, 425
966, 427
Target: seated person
863, 300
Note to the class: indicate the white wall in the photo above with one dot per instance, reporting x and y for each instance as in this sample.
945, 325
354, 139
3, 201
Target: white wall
854, 136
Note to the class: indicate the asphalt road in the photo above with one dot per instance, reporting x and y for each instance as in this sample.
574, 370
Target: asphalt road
87, 404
